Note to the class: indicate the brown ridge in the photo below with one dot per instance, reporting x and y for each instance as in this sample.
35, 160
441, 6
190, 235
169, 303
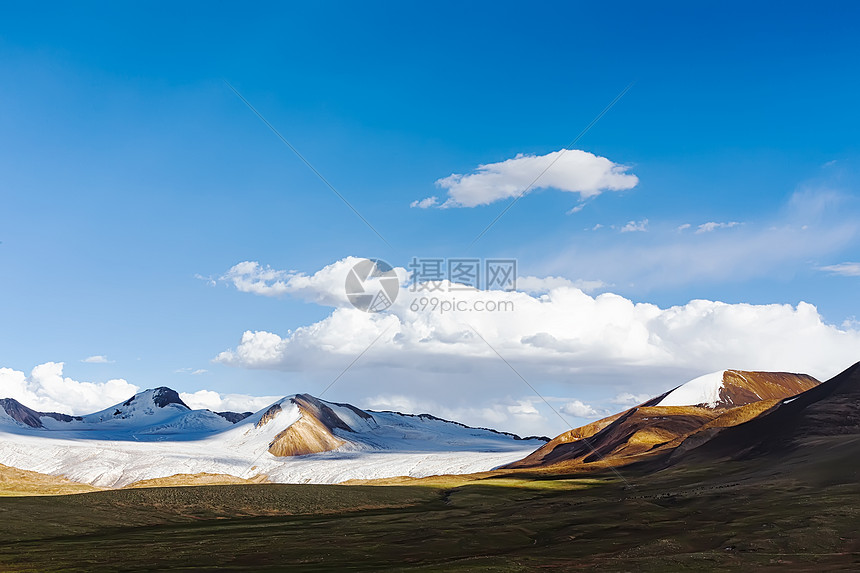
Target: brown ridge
648, 430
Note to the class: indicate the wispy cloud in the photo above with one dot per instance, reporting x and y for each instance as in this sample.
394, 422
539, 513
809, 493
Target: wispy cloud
810, 226
211, 281
635, 226
192, 371
97, 359
843, 269
425, 203
713, 226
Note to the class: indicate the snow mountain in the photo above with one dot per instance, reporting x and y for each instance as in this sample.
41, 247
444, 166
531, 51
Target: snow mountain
731, 388
298, 439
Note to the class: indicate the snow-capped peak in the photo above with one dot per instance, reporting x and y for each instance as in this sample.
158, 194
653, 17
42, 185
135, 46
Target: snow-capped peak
149, 405
704, 390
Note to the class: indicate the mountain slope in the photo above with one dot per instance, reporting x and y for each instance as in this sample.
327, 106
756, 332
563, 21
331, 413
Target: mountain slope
707, 403
831, 409
730, 388
14, 411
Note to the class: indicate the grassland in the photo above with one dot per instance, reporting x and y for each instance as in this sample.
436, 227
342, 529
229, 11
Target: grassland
15, 482
799, 514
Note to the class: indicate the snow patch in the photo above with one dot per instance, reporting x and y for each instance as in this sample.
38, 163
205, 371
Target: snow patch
702, 390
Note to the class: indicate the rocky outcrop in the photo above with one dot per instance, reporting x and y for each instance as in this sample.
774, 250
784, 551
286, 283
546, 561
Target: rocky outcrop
29, 417
234, 417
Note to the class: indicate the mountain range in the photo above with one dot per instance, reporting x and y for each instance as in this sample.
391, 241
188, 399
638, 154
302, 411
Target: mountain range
298, 439
303, 439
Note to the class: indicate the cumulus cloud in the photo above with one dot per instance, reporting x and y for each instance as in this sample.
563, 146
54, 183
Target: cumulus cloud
578, 409
843, 269
211, 400
562, 331
325, 287
574, 171
98, 359
47, 390
713, 226
425, 203
635, 226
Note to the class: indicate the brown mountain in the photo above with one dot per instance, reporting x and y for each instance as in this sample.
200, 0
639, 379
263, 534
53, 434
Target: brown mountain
699, 409
820, 416
314, 431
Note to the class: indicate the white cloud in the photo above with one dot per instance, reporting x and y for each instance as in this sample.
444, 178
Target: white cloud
98, 359
210, 400
325, 287
425, 203
713, 226
684, 227
560, 332
192, 371
578, 409
628, 399
843, 269
47, 390
635, 226
523, 408
576, 209
208, 280
575, 171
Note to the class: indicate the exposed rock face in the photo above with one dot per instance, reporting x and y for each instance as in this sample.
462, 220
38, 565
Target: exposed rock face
651, 429
268, 415
314, 431
234, 417
163, 396
21, 413
306, 436
740, 387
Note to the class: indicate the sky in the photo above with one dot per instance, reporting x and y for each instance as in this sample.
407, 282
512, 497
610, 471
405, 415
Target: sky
678, 184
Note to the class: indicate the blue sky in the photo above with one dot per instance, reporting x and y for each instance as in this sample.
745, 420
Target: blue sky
128, 169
